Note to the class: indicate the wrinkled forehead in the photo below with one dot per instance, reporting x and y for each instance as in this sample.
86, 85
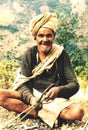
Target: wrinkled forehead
45, 30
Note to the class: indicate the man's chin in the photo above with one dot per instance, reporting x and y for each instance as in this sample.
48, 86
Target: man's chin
46, 51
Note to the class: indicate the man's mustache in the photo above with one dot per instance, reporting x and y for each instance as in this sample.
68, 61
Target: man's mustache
45, 43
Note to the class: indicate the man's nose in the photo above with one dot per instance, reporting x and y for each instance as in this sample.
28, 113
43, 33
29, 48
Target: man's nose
44, 38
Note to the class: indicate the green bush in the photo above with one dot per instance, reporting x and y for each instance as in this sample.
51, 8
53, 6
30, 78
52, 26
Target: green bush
9, 28
7, 73
68, 26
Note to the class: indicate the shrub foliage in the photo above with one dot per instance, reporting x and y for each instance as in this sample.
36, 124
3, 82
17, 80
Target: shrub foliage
7, 73
67, 35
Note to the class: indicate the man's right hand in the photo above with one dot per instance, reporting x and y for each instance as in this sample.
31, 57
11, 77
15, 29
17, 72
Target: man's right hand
33, 101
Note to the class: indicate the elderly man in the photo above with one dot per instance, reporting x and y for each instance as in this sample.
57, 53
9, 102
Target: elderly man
43, 65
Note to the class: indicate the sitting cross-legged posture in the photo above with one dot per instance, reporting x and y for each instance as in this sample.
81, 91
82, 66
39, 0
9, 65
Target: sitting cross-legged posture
44, 64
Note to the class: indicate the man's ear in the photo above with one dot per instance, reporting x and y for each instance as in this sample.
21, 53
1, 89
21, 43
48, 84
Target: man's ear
35, 38
54, 34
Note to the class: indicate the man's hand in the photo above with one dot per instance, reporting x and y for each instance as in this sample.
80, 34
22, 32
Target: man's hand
52, 93
34, 102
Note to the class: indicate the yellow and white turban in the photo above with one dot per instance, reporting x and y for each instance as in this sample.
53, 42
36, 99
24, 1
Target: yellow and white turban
47, 20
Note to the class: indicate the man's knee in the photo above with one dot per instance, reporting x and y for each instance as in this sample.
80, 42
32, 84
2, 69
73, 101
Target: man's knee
3, 95
9, 94
73, 112
78, 111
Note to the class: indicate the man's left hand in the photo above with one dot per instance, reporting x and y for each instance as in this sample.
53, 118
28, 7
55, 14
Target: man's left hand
52, 93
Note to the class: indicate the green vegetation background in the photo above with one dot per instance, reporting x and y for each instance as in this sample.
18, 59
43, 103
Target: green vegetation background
15, 37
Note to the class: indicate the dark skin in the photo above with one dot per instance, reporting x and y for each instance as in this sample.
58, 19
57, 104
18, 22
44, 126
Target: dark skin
11, 100
45, 38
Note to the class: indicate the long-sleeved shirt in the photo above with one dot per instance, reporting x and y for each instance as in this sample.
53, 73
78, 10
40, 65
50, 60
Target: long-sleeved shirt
61, 74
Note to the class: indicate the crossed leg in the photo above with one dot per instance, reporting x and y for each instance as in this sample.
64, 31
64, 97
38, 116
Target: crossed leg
11, 100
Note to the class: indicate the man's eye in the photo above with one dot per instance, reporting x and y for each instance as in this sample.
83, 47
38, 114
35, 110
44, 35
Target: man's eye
40, 35
49, 35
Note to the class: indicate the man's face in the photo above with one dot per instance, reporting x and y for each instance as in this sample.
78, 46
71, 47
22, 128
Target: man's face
44, 38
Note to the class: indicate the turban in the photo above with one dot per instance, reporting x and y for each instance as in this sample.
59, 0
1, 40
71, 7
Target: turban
47, 20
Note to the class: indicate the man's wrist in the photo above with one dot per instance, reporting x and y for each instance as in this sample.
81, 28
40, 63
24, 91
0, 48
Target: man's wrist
31, 98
